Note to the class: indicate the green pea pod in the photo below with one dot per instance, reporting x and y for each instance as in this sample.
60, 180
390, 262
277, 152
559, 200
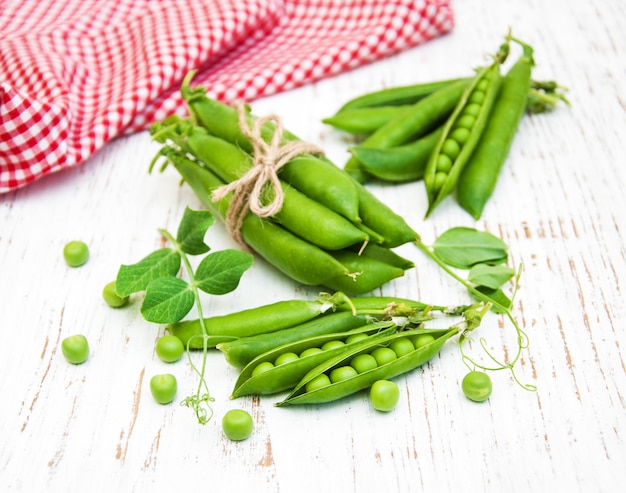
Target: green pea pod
253, 321
299, 214
388, 305
325, 184
399, 365
385, 255
398, 95
286, 376
461, 134
241, 351
399, 164
291, 255
478, 180
380, 218
419, 119
370, 273
363, 121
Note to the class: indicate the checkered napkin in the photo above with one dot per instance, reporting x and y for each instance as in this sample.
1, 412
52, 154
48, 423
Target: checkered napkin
74, 74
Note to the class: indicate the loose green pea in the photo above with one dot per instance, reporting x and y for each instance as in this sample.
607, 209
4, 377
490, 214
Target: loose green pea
163, 388
320, 381
169, 349
310, 351
384, 355
476, 386
285, 358
342, 373
355, 338
332, 345
421, 340
75, 348
477, 97
460, 134
363, 362
451, 148
262, 368
384, 395
440, 179
111, 297
237, 424
402, 346
444, 163
76, 253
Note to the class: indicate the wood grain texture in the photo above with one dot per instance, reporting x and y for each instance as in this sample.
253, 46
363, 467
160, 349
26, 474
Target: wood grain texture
559, 205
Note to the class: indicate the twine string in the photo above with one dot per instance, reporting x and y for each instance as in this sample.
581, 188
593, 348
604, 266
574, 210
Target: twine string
262, 178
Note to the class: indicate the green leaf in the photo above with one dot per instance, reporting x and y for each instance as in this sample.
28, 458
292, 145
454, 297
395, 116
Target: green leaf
490, 276
463, 247
498, 296
167, 300
136, 277
192, 230
220, 272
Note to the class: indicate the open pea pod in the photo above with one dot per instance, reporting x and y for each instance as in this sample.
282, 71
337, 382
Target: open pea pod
265, 375
422, 353
241, 351
462, 133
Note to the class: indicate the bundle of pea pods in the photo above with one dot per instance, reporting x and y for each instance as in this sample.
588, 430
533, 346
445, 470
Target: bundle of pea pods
454, 134
331, 231
326, 349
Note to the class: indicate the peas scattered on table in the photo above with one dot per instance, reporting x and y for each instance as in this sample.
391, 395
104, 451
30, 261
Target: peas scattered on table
384, 395
75, 348
477, 386
76, 253
237, 424
111, 297
163, 388
169, 348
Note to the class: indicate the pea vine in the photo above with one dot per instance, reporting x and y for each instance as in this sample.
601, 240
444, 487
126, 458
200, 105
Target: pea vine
484, 256
169, 298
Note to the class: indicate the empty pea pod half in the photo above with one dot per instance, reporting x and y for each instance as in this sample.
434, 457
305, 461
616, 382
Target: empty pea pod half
339, 376
281, 368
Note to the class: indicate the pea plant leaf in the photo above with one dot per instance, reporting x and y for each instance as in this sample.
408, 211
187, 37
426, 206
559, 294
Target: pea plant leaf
463, 247
490, 276
192, 230
220, 272
136, 277
167, 300
498, 296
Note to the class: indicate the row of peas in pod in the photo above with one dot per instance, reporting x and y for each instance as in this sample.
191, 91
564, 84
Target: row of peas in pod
454, 134
329, 230
326, 349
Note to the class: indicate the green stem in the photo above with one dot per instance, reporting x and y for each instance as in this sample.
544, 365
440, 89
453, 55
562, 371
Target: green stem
200, 401
521, 336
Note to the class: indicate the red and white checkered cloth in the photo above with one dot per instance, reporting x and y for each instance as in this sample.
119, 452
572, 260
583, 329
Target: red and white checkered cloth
74, 74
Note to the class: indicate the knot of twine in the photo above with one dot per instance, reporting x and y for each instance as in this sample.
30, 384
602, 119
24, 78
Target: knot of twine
268, 159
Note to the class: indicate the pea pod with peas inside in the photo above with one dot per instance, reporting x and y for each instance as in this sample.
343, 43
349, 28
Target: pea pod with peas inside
462, 132
358, 369
418, 119
240, 352
478, 179
282, 367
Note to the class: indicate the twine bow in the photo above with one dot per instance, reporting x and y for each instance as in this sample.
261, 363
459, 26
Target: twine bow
268, 159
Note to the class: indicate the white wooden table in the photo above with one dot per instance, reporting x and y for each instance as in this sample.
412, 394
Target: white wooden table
560, 205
